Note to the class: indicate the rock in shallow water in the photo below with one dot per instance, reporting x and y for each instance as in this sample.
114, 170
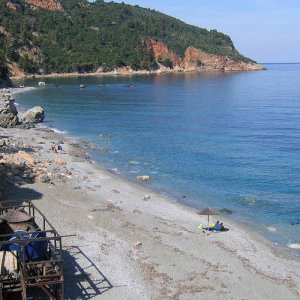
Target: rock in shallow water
33, 115
143, 178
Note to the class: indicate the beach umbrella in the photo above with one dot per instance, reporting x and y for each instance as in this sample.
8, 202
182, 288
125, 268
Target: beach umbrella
207, 212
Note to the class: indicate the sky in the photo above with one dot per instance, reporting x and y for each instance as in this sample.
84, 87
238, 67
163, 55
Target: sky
264, 30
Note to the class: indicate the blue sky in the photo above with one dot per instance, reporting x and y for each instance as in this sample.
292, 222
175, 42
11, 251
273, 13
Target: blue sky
265, 30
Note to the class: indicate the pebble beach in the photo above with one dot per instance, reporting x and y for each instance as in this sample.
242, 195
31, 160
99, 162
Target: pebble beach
129, 242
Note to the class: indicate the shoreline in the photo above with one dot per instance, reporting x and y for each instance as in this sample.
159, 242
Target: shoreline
276, 247
126, 72
145, 249
153, 248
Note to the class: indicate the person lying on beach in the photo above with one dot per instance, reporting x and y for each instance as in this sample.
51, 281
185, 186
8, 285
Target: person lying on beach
217, 227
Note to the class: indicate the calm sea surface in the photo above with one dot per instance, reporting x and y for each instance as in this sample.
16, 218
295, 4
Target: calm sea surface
219, 140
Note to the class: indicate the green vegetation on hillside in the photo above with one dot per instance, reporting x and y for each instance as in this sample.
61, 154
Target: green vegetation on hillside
88, 36
3, 69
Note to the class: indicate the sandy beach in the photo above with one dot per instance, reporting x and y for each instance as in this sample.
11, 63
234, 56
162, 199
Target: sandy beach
131, 243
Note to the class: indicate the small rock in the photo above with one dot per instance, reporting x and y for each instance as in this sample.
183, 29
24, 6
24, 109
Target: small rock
44, 178
2, 143
143, 177
137, 211
60, 162
137, 244
147, 197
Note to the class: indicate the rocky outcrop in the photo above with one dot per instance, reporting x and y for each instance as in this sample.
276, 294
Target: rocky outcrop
53, 5
14, 6
8, 120
33, 115
161, 52
8, 112
196, 59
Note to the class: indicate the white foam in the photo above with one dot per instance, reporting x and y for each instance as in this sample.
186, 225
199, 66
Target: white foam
134, 162
115, 170
294, 246
272, 229
59, 131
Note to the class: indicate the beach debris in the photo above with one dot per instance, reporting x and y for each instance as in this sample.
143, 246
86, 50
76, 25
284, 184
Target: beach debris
91, 217
41, 83
271, 229
137, 211
60, 162
33, 115
137, 244
116, 191
294, 246
143, 177
147, 197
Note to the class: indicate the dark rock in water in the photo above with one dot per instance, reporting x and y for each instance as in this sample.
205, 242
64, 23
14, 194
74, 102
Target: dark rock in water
8, 120
33, 115
226, 211
294, 223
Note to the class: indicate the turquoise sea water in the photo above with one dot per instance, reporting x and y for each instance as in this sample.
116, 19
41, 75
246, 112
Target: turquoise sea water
211, 139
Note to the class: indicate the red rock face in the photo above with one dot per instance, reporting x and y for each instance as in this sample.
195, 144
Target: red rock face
162, 52
196, 59
53, 5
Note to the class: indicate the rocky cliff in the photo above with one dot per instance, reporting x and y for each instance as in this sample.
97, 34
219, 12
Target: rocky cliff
52, 5
197, 60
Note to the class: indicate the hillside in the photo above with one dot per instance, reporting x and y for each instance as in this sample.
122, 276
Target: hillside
43, 37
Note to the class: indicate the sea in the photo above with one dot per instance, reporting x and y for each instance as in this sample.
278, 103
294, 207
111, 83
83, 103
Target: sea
223, 140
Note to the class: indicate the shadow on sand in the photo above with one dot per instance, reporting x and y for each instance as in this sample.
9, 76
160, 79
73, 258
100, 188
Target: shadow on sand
83, 279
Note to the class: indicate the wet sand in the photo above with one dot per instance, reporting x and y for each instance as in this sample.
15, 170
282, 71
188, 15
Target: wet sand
128, 246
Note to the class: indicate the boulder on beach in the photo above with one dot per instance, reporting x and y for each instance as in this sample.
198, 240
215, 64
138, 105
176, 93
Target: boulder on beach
8, 112
8, 120
7, 105
33, 115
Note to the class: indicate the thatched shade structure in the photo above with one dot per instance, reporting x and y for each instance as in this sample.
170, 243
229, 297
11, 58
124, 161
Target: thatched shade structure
16, 216
209, 212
